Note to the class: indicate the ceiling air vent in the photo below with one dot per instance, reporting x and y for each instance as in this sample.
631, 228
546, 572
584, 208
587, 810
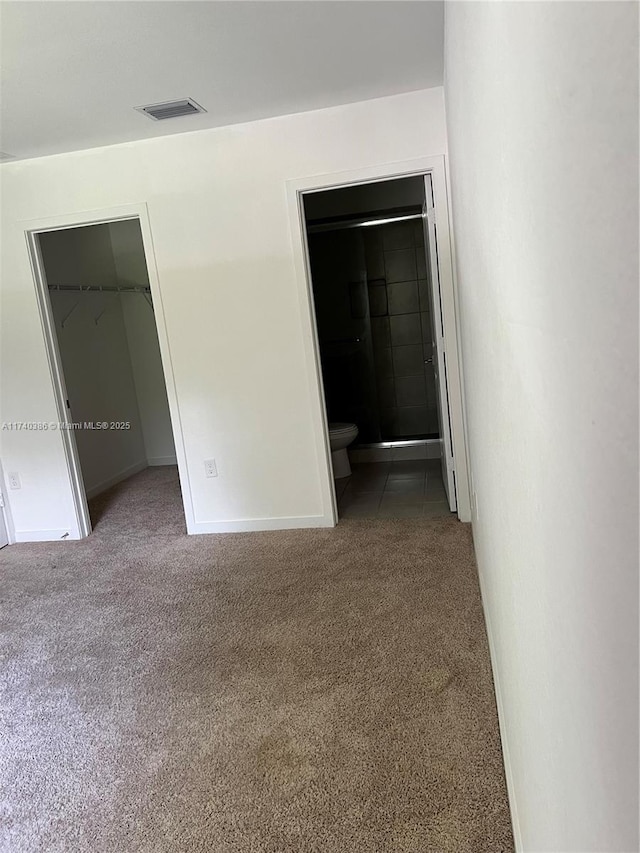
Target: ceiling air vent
171, 109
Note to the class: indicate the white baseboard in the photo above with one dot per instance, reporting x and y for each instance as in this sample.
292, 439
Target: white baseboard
162, 460
44, 535
247, 525
508, 772
117, 478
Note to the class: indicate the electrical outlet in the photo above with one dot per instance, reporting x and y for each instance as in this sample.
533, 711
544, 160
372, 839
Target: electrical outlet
210, 469
14, 480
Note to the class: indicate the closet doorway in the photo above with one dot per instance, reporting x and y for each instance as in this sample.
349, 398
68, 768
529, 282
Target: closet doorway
101, 331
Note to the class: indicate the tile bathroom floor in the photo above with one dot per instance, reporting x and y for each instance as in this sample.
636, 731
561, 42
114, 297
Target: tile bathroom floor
411, 489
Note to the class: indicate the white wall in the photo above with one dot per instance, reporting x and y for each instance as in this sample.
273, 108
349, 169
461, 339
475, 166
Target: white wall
542, 115
218, 210
142, 338
151, 390
100, 385
128, 253
79, 256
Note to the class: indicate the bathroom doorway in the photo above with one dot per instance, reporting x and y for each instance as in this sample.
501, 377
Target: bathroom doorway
101, 332
375, 283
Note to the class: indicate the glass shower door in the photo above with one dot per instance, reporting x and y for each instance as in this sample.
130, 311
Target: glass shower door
341, 298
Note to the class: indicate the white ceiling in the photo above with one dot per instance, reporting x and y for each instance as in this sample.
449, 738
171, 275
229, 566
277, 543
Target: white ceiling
72, 72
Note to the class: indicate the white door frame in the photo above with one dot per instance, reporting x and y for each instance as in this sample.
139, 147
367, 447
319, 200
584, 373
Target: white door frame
5, 513
439, 357
296, 188
65, 221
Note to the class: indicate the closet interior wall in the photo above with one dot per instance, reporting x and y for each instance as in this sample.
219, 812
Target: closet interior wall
109, 350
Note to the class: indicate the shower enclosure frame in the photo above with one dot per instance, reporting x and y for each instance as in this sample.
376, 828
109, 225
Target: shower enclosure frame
380, 219
296, 190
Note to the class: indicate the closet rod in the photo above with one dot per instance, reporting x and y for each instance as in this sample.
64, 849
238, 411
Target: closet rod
98, 288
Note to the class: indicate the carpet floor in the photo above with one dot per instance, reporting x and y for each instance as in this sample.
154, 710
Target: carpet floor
309, 690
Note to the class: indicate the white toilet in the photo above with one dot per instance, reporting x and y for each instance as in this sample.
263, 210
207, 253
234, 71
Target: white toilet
340, 437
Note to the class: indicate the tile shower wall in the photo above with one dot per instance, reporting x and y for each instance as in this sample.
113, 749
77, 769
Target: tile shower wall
399, 303
342, 314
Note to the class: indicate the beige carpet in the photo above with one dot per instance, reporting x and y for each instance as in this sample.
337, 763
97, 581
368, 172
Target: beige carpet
322, 691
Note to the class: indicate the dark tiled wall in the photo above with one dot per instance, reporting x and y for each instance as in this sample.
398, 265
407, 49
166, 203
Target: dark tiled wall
400, 309
340, 292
